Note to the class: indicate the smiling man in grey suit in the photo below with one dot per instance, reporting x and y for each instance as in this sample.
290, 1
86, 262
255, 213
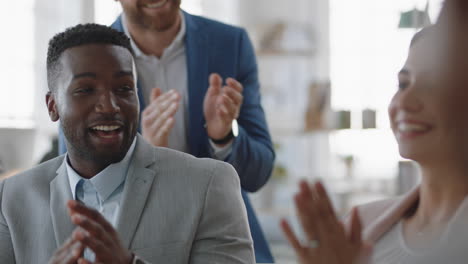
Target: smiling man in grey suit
113, 198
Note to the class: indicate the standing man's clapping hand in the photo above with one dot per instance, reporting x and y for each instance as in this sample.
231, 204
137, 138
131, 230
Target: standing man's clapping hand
221, 105
157, 120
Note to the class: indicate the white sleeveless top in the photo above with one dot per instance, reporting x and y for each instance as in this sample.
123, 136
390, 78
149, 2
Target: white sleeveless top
452, 248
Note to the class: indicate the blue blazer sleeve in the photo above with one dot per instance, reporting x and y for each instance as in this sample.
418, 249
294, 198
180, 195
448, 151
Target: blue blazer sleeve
252, 154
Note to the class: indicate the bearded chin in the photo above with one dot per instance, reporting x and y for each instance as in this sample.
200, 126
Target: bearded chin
79, 144
159, 24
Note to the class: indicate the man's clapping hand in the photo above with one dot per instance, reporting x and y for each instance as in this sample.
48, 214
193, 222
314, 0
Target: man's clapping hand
95, 233
221, 105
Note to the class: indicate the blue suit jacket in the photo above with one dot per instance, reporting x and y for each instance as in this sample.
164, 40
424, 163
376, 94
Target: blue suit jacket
212, 46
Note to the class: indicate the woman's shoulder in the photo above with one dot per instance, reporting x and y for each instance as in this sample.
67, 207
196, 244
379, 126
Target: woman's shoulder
379, 216
370, 212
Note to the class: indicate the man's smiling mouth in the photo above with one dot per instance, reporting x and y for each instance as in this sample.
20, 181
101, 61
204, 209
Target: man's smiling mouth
156, 5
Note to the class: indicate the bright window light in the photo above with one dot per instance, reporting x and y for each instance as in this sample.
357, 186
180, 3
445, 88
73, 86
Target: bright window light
367, 51
17, 61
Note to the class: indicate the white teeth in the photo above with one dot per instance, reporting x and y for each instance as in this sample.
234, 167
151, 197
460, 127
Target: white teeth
406, 127
105, 128
156, 5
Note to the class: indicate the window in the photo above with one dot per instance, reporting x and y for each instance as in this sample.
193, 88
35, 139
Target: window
367, 51
17, 62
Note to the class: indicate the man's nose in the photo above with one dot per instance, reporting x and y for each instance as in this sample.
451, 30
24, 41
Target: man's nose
107, 103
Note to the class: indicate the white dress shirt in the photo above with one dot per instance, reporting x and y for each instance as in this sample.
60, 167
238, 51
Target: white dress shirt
102, 192
170, 72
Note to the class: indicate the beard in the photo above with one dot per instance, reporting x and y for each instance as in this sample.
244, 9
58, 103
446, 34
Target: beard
79, 143
159, 23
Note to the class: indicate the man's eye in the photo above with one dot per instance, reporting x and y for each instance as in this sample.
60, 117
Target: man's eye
125, 88
83, 90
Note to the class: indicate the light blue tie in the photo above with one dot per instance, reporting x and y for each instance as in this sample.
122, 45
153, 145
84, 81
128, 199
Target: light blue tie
86, 193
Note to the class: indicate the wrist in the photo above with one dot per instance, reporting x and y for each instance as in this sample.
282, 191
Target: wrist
229, 136
224, 140
136, 260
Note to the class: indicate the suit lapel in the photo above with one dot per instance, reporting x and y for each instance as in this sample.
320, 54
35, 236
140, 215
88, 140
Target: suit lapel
137, 188
60, 193
196, 44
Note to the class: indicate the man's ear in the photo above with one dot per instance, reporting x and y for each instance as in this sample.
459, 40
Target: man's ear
52, 106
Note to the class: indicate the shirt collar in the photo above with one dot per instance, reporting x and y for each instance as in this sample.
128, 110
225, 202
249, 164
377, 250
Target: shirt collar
177, 43
106, 181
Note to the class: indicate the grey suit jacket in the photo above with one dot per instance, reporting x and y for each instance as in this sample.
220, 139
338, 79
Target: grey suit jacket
175, 209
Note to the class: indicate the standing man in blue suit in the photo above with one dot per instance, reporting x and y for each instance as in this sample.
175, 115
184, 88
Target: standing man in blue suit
199, 89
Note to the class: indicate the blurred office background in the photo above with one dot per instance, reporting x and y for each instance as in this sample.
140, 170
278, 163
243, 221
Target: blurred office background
327, 70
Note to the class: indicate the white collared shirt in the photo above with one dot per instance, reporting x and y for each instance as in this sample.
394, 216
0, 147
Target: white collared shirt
170, 72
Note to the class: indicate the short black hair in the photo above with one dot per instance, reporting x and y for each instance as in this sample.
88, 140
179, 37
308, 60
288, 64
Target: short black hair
78, 35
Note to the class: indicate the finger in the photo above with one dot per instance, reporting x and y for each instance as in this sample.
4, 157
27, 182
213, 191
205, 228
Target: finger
307, 216
155, 93
165, 129
226, 116
83, 261
324, 198
366, 254
163, 113
167, 113
61, 253
233, 83
215, 82
233, 94
91, 228
305, 190
328, 226
153, 111
356, 227
66, 245
169, 96
101, 249
327, 222
157, 123
85, 213
302, 252
152, 122
290, 236
76, 251
229, 107
162, 102
71, 254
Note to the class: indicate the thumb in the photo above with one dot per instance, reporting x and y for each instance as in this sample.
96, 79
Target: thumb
356, 226
365, 255
215, 84
155, 93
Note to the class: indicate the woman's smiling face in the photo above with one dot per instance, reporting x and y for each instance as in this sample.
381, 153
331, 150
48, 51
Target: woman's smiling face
429, 112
